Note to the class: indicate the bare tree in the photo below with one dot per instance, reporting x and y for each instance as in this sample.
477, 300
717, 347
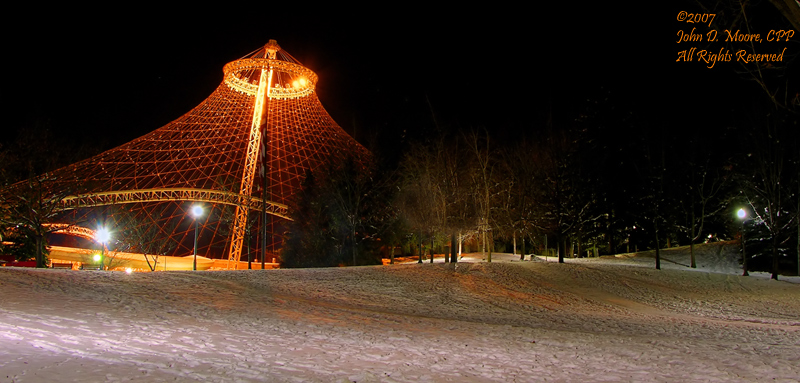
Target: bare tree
768, 185
483, 185
706, 185
420, 199
565, 201
518, 193
142, 232
770, 161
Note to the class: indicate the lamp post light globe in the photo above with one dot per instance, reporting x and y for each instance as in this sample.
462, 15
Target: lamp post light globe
741, 214
197, 212
102, 235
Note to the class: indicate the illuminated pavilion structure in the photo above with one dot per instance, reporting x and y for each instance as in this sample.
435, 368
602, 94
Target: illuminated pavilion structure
263, 128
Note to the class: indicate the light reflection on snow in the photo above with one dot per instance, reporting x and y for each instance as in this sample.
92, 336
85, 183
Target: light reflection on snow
581, 321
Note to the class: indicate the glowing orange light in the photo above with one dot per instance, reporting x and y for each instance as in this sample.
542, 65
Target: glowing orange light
299, 83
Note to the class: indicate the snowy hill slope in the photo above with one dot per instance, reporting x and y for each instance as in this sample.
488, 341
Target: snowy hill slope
716, 257
586, 320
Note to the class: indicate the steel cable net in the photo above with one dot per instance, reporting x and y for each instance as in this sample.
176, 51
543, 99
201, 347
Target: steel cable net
214, 155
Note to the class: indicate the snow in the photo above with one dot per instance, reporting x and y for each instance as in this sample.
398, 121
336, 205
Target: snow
598, 320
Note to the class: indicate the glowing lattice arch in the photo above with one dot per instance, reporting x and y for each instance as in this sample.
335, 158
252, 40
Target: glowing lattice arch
264, 115
77, 231
174, 194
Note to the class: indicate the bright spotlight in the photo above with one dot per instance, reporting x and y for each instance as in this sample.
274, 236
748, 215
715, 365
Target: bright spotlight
102, 235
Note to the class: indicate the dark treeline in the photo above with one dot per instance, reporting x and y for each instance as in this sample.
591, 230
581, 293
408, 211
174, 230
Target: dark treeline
610, 167
600, 180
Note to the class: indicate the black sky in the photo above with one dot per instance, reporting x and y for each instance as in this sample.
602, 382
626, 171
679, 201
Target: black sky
111, 77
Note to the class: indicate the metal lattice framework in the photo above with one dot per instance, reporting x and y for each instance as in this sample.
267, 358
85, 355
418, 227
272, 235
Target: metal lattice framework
174, 194
265, 115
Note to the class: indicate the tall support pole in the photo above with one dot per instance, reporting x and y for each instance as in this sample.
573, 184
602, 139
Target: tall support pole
194, 253
265, 192
742, 214
251, 160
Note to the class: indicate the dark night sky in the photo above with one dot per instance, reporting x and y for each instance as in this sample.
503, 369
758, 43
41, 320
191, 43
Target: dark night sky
113, 77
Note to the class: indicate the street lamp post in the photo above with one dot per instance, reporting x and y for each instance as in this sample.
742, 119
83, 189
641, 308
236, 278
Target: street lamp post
197, 211
742, 214
103, 236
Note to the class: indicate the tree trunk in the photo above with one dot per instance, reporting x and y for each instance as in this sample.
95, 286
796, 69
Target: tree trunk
774, 257
628, 245
353, 243
445, 252
431, 249
152, 267
453, 256
744, 254
483, 236
459, 244
489, 248
658, 250
420, 248
610, 233
249, 253
562, 248
39, 256
545, 247
691, 239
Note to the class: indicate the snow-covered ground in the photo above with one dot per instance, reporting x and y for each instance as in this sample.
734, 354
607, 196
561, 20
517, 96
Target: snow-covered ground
589, 320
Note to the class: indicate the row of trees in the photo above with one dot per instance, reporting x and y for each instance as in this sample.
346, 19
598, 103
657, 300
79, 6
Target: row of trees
603, 182
608, 179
